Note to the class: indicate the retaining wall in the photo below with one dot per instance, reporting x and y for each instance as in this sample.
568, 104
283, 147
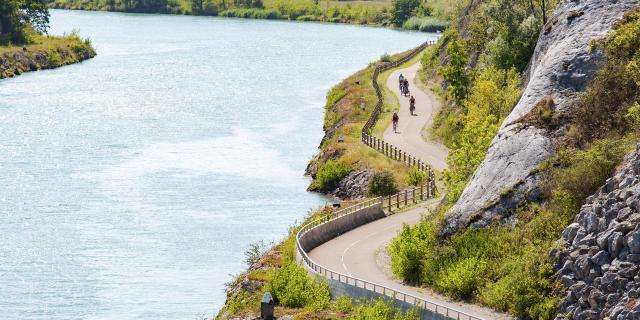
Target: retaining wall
334, 228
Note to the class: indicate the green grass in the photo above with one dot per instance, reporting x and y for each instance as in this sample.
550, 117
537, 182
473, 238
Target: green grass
350, 104
60, 51
426, 24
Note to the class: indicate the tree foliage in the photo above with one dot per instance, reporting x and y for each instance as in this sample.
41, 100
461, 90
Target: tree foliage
18, 17
454, 72
402, 10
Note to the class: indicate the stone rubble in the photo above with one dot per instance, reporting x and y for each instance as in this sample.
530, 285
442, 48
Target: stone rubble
601, 257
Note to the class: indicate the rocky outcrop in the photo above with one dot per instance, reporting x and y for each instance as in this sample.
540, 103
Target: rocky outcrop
354, 185
600, 263
561, 66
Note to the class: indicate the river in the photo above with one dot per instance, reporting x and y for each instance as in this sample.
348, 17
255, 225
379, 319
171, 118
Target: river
132, 183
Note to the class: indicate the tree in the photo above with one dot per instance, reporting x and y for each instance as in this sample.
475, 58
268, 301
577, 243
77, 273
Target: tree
402, 10
17, 15
197, 6
454, 72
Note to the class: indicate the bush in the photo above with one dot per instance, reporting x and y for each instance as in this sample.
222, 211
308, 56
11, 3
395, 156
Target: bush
293, 287
416, 177
426, 24
385, 58
307, 18
408, 250
382, 184
251, 13
330, 174
382, 310
343, 304
462, 279
581, 172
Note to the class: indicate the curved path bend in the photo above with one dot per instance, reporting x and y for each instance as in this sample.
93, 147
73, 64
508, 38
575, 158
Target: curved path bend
410, 128
361, 253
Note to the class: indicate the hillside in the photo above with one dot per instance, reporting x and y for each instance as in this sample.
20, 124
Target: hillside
537, 122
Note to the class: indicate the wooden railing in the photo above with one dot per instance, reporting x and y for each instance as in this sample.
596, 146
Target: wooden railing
380, 145
390, 204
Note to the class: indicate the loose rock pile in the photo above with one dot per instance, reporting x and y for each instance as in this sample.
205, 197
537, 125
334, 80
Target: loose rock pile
354, 185
602, 257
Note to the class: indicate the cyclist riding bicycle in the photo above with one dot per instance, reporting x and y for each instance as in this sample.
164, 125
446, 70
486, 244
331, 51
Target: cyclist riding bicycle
395, 122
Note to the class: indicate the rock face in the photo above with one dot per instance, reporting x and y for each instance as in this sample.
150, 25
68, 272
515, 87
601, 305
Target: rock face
600, 263
354, 185
561, 66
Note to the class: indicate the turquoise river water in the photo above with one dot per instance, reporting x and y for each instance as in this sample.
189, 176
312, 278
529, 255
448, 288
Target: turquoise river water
132, 183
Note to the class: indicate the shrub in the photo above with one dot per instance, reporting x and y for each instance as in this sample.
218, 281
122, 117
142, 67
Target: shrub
426, 24
462, 279
416, 177
382, 184
382, 310
343, 304
385, 58
254, 253
306, 18
330, 174
55, 60
454, 72
252, 13
293, 287
408, 250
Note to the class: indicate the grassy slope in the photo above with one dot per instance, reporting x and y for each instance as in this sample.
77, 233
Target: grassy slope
46, 52
345, 117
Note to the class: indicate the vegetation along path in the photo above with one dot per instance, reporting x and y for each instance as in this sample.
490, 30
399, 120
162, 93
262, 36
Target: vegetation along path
409, 137
358, 253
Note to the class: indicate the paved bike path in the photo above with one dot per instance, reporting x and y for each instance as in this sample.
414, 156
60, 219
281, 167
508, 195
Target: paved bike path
409, 135
361, 253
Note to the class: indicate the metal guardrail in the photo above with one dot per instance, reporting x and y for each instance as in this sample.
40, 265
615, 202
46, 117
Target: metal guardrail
399, 200
370, 286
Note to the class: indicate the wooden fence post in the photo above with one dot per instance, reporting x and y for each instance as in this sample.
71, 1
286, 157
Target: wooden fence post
422, 192
406, 195
398, 200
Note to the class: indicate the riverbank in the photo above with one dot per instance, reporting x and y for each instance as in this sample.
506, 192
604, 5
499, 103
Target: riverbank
276, 269
432, 18
47, 52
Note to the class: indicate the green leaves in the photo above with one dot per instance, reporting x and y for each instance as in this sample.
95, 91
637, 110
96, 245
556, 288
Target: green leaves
402, 10
454, 72
382, 184
330, 174
293, 287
